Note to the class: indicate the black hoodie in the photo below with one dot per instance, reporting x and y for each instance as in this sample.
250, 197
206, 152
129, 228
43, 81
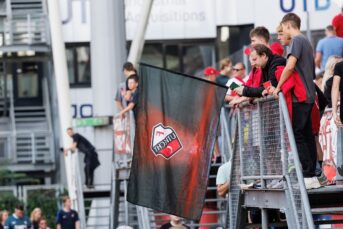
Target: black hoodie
268, 74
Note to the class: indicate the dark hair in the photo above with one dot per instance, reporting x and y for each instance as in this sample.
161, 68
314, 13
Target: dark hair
260, 31
293, 19
262, 49
19, 207
128, 66
330, 28
69, 128
133, 77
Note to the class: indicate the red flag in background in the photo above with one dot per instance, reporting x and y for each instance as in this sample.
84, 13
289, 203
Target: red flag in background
176, 128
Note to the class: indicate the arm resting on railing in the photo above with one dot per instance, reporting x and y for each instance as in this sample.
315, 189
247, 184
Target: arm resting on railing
71, 148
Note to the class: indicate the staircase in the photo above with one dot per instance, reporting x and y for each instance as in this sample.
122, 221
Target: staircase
27, 24
97, 207
264, 152
33, 136
124, 213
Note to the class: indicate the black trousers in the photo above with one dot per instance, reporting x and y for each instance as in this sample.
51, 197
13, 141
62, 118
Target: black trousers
89, 174
304, 138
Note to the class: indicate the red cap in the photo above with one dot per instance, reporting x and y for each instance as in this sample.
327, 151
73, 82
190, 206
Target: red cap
211, 71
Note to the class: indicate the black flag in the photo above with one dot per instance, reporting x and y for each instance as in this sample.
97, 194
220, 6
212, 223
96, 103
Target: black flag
176, 127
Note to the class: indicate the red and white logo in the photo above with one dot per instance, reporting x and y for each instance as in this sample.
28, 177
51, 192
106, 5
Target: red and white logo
165, 141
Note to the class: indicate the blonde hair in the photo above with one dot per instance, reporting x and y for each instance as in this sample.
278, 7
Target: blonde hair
329, 67
279, 29
34, 214
2, 215
225, 62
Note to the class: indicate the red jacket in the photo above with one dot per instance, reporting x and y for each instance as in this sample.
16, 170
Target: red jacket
255, 78
293, 85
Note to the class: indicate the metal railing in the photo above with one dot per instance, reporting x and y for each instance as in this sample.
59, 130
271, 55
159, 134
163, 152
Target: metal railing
27, 29
264, 151
28, 147
34, 147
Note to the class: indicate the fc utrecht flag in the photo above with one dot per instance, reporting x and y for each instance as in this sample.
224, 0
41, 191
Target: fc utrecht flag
176, 129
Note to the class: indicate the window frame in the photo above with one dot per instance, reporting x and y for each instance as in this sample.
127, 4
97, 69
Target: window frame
77, 83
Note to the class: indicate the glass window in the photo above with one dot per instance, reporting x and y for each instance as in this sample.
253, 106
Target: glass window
196, 57
70, 64
153, 54
83, 65
28, 84
172, 58
79, 65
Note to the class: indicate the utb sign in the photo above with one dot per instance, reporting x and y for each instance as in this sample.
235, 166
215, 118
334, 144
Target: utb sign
289, 5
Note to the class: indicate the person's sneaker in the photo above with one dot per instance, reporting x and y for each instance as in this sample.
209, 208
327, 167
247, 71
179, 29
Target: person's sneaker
323, 180
272, 183
311, 182
246, 186
278, 185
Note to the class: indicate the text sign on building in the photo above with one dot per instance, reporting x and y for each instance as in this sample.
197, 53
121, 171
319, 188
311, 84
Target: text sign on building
96, 121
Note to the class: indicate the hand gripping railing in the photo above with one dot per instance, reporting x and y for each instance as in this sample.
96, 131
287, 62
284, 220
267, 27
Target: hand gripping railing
265, 152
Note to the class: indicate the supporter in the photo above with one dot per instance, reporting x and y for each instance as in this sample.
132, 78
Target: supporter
268, 62
225, 71
328, 46
35, 217
223, 179
337, 23
210, 74
131, 96
91, 157
175, 222
67, 218
239, 71
258, 35
18, 219
300, 58
328, 77
237, 79
3, 218
43, 224
128, 70
261, 35
283, 38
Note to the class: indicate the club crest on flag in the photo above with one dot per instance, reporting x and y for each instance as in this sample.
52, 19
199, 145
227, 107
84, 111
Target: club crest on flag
165, 141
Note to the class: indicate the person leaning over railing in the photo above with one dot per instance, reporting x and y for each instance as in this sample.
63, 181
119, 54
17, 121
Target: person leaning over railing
300, 58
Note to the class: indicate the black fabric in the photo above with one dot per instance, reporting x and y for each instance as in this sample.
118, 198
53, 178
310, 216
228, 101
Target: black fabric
268, 71
304, 138
327, 91
134, 100
91, 157
35, 225
222, 80
89, 175
268, 74
322, 101
82, 143
171, 176
338, 71
67, 220
252, 91
168, 225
